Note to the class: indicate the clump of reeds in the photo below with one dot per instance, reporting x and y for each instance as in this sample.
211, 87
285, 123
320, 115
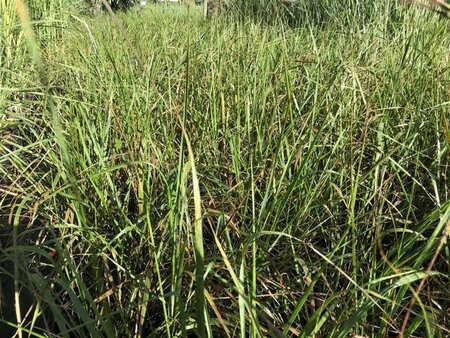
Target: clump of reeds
226, 177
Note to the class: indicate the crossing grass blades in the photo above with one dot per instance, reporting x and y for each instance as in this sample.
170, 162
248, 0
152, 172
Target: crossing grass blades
267, 173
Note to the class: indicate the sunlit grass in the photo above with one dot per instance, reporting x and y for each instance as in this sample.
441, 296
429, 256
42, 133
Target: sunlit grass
298, 175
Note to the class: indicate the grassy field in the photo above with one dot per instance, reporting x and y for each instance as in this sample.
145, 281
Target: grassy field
223, 177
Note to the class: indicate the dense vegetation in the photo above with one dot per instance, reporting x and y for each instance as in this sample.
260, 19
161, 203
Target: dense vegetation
300, 166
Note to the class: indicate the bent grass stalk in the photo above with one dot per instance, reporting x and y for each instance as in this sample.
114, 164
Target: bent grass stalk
198, 241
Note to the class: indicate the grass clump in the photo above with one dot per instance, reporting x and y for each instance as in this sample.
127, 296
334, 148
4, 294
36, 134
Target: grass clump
310, 164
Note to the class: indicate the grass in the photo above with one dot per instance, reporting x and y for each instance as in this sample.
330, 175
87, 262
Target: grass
297, 175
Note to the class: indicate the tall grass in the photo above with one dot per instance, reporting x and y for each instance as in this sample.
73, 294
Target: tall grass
307, 12
301, 12
310, 164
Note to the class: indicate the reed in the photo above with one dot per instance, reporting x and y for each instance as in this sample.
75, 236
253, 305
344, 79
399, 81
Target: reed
226, 177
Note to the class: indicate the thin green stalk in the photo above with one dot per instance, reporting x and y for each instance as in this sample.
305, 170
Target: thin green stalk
198, 242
